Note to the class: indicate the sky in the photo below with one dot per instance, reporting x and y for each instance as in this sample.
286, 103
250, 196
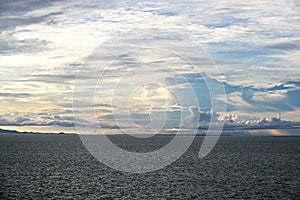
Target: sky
129, 64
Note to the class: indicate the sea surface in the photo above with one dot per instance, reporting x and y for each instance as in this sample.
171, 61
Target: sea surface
49, 166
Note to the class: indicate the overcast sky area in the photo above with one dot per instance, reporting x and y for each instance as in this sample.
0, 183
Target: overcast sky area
44, 44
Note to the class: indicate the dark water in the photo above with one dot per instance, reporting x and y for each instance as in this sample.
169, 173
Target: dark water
59, 167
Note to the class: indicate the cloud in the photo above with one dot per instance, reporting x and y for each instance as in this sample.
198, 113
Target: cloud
49, 120
287, 46
281, 97
255, 45
12, 46
17, 119
15, 95
275, 98
201, 120
13, 13
197, 117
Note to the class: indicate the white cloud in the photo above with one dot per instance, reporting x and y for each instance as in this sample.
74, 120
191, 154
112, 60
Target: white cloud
201, 120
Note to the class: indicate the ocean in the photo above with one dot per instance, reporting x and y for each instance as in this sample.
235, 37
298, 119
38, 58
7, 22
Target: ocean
51, 166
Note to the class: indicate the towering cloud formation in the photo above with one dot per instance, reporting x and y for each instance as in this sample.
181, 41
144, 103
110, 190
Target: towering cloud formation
230, 118
193, 120
197, 117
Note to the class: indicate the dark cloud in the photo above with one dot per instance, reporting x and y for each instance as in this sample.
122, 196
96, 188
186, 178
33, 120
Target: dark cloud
12, 15
11, 23
4, 122
16, 95
289, 46
53, 78
295, 83
280, 87
104, 105
20, 6
107, 126
12, 12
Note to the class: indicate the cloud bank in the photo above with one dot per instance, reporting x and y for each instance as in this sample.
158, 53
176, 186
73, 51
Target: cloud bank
201, 120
